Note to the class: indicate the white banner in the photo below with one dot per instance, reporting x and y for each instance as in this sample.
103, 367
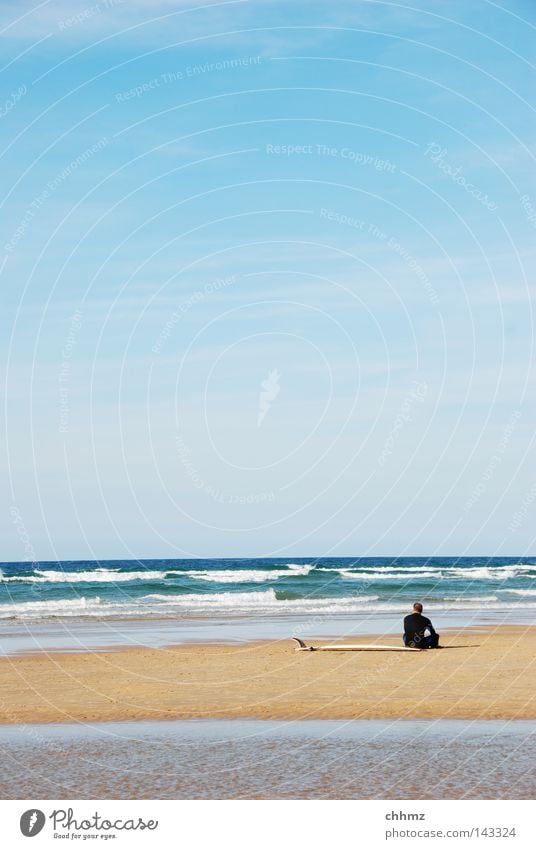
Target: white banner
245, 824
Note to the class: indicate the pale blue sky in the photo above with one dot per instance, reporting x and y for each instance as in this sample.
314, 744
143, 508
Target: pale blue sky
324, 212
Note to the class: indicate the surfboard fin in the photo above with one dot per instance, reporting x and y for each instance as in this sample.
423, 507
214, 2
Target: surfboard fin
301, 645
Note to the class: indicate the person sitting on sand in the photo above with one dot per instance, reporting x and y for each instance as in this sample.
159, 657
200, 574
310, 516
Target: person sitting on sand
415, 627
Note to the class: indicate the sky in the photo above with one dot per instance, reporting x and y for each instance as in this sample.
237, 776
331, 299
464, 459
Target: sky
267, 278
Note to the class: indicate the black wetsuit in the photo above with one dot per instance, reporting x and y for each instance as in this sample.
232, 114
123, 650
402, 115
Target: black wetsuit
414, 627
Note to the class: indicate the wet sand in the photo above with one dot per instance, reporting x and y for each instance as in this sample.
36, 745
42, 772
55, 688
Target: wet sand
480, 674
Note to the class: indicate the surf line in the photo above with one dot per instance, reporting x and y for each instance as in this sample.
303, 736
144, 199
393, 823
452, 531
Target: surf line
356, 647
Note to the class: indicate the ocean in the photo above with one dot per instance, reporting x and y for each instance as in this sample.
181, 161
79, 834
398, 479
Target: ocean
360, 587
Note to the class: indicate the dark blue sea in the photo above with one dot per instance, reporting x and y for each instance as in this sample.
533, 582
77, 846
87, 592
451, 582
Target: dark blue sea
363, 587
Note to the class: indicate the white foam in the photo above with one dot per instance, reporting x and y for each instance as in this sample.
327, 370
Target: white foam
46, 609
244, 576
489, 573
224, 576
520, 592
390, 576
156, 603
379, 569
473, 599
248, 576
257, 603
22, 579
211, 600
471, 573
96, 576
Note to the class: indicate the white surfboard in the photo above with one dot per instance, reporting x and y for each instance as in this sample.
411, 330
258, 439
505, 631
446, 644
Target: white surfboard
356, 647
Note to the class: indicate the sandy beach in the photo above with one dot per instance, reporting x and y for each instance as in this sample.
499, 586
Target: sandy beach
484, 673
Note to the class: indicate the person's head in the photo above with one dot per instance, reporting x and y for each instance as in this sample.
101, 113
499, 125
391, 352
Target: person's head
417, 607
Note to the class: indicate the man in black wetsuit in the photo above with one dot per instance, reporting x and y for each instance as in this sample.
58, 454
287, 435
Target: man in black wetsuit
415, 626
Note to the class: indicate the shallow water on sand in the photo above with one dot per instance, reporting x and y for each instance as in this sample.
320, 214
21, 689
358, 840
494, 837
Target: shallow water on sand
79, 636
220, 759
